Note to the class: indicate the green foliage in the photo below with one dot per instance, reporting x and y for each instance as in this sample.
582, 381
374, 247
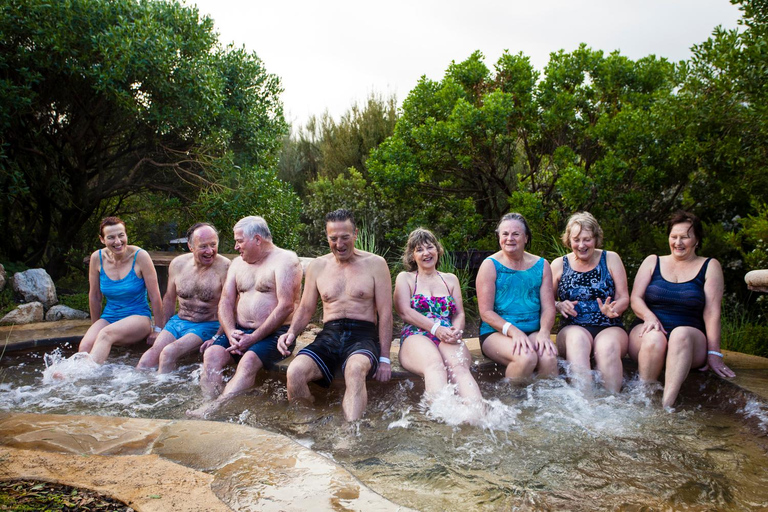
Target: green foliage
77, 301
103, 101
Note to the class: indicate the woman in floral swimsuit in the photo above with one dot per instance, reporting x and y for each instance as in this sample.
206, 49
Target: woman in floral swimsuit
430, 304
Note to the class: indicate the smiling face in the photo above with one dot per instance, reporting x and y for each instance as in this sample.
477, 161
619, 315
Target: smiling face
512, 238
583, 243
426, 256
114, 238
341, 239
204, 245
247, 247
682, 241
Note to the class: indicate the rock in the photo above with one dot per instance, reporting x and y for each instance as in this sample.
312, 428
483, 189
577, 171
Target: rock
24, 314
757, 280
3, 277
35, 285
62, 312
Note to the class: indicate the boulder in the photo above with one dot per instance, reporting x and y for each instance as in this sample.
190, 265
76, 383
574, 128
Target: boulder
757, 280
3, 277
35, 285
62, 312
24, 314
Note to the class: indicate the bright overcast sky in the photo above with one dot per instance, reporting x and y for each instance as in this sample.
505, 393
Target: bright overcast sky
332, 53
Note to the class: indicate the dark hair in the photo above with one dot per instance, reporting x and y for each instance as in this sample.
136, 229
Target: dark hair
518, 217
195, 227
420, 236
683, 217
109, 221
340, 215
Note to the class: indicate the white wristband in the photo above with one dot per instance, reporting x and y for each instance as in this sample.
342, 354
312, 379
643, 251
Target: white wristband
506, 328
383, 359
157, 329
714, 353
433, 330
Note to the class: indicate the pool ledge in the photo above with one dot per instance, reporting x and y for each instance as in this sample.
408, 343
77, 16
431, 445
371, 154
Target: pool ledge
184, 465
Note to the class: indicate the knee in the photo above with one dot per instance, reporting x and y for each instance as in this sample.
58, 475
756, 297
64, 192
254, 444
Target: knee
106, 336
249, 363
215, 357
437, 367
655, 345
528, 360
607, 350
297, 374
170, 352
679, 342
356, 367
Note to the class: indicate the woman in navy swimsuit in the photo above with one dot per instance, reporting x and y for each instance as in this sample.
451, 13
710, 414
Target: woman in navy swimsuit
677, 301
124, 274
592, 293
430, 304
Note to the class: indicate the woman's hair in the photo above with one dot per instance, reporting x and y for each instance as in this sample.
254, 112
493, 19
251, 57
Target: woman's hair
519, 218
683, 217
586, 222
109, 221
420, 236
254, 225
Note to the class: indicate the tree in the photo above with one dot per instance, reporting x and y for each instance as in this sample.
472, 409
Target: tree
102, 100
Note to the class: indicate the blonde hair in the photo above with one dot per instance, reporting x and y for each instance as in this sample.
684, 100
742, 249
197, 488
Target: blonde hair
586, 222
420, 236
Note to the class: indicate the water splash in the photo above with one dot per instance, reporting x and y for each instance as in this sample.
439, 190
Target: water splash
758, 410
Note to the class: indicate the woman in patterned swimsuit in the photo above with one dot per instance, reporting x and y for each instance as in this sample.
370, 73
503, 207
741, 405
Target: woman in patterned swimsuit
430, 304
591, 286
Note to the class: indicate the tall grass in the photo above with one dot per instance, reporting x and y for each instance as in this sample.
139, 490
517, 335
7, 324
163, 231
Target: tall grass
740, 333
366, 241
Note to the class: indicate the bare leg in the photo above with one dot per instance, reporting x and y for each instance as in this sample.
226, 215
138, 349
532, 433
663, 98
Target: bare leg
243, 380
687, 347
151, 357
575, 344
610, 347
419, 355
546, 366
127, 331
519, 367
301, 372
649, 351
170, 355
86, 344
356, 394
215, 358
458, 360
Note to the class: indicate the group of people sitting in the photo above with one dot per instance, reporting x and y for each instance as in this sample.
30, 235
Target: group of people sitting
250, 311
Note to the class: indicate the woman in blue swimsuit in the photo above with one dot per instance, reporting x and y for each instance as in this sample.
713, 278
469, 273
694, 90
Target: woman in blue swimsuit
591, 294
430, 304
514, 295
677, 301
124, 274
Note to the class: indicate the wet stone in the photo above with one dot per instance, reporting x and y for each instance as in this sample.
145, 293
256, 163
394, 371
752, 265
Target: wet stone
24, 314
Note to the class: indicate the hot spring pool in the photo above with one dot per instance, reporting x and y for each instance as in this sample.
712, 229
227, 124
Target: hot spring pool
544, 446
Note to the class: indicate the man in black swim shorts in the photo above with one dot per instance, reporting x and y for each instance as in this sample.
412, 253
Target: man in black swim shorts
262, 287
356, 290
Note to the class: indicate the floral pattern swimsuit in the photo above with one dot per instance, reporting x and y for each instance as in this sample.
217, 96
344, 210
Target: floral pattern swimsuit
436, 309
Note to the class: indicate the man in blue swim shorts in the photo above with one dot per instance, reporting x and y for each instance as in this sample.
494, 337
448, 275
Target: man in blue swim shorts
356, 290
196, 280
261, 291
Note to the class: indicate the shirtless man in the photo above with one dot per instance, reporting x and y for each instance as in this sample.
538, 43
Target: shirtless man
196, 280
356, 290
262, 290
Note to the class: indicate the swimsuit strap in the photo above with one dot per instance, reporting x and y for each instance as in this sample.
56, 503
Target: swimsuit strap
446, 284
134, 258
416, 283
101, 262
703, 270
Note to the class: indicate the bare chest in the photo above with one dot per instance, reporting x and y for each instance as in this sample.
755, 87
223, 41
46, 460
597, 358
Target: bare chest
346, 285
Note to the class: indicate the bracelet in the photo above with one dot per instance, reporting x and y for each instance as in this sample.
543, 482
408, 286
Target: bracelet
383, 359
714, 353
433, 330
506, 328
157, 329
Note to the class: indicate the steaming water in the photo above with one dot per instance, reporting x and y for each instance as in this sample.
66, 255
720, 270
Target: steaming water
545, 446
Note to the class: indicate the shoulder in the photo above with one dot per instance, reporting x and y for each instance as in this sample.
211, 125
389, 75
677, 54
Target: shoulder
95, 256
613, 258
286, 258
180, 261
451, 278
557, 263
714, 268
141, 255
222, 261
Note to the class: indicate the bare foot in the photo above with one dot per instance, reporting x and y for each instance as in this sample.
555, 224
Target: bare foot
204, 411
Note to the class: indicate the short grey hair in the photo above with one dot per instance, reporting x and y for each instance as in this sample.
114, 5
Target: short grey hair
254, 225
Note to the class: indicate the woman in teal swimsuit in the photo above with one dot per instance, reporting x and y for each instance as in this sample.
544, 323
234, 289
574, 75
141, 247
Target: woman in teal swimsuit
514, 295
430, 304
124, 274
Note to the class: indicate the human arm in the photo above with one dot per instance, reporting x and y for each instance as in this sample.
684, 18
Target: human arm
382, 283
614, 307
567, 308
149, 275
402, 302
94, 287
486, 298
713, 293
228, 301
306, 308
637, 298
287, 288
547, 313
458, 320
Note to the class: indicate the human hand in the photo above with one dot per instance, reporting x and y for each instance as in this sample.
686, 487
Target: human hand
544, 345
207, 344
285, 341
567, 308
716, 364
383, 372
521, 344
152, 337
652, 324
608, 308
